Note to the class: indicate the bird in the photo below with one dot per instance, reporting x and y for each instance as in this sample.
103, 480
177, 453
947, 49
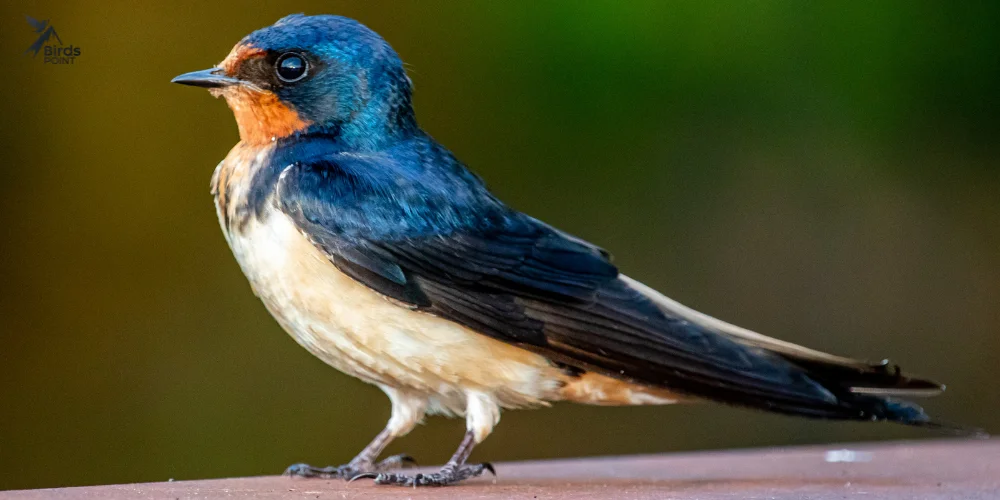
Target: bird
384, 256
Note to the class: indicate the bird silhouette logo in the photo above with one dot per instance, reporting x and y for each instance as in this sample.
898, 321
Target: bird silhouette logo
45, 33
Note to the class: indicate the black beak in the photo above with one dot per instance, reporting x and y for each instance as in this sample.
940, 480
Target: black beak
212, 78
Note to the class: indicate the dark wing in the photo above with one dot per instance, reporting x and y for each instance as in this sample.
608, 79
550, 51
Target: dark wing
513, 278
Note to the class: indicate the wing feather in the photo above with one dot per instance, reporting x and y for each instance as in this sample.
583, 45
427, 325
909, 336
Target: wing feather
511, 277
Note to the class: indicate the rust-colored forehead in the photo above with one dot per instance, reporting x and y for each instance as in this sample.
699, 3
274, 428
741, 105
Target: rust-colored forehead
241, 52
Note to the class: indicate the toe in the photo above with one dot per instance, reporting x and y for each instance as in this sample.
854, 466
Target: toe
448, 475
395, 461
364, 475
328, 472
301, 470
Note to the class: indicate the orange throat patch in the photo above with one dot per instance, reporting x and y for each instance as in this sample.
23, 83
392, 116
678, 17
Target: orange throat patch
261, 116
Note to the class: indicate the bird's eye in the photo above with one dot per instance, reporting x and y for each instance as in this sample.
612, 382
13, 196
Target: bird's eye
291, 67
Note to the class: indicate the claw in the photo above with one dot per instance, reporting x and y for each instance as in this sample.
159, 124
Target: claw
363, 475
401, 460
488, 466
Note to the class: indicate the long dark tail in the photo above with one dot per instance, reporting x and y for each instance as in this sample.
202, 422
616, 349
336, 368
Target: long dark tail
871, 392
816, 384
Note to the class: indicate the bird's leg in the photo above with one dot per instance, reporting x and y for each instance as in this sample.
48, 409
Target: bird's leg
363, 462
454, 471
481, 414
407, 410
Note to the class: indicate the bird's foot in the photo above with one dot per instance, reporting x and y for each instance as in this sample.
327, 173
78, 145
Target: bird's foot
351, 470
449, 474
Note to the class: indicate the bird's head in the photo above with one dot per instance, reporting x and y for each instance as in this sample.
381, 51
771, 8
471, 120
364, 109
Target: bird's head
326, 74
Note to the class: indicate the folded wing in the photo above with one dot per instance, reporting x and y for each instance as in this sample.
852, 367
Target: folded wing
513, 278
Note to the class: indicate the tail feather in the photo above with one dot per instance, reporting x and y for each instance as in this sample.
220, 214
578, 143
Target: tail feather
869, 392
882, 379
892, 410
909, 413
859, 376
860, 390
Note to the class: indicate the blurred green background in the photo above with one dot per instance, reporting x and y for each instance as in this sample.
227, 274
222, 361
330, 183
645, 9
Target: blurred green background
824, 172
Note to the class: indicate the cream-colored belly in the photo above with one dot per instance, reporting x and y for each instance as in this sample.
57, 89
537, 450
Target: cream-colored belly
364, 334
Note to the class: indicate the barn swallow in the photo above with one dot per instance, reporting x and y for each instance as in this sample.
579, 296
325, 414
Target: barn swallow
381, 254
